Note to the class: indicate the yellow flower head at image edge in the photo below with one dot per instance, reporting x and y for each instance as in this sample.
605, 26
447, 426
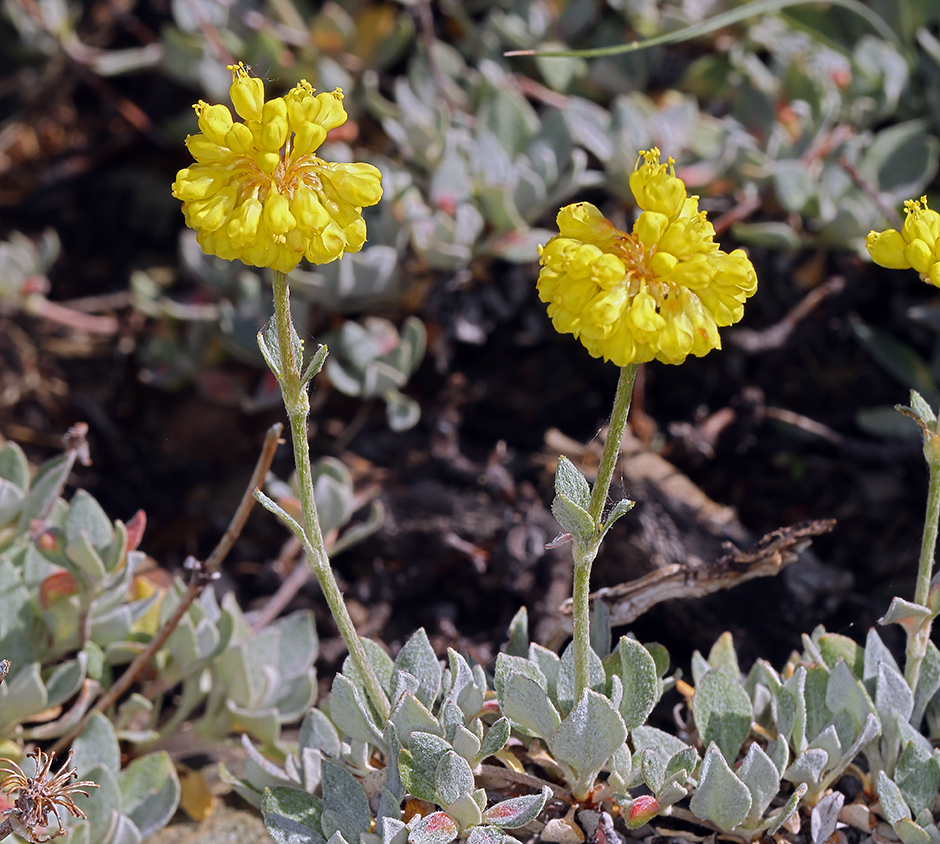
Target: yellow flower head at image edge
916, 246
257, 191
659, 293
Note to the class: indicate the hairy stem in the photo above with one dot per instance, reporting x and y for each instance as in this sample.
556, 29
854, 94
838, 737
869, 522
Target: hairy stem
298, 407
918, 638
584, 555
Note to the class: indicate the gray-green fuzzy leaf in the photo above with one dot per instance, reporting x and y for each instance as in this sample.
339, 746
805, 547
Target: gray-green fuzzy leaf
642, 687
762, 779
292, 816
917, 776
345, 805
571, 484
720, 797
436, 828
453, 778
722, 711
516, 812
150, 791
573, 519
587, 737
525, 703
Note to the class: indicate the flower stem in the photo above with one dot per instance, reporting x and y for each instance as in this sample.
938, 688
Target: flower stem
918, 638
297, 404
584, 555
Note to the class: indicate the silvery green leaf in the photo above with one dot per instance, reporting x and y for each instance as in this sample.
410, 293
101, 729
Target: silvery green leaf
418, 765
909, 615
894, 701
722, 711
585, 739
463, 689
779, 752
150, 791
506, 665
653, 769
281, 513
488, 835
392, 779
516, 812
96, 746
125, 831
869, 732
723, 655
410, 715
834, 647
436, 828
828, 740
642, 687
66, 679
83, 554
917, 776
573, 519
621, 508
381, 664
465, 743
105, 805
815, 689
525, 703
762, 779
417, 657
402, 683
494, 740
911, 833
315, 365
720, 796
658, 741
846, 693
465, 811
318, 732
14, 467
927, 684
518, 642
807, 767
570, 483
892, 802
700, 667
45, 488
621, 763
600, 628
345, 805
393, 830
11, 499
349, 712
270, 349
685, 760
789, 809
453, 778
549, 664
86, 517
825, 816
922, 410
565, 690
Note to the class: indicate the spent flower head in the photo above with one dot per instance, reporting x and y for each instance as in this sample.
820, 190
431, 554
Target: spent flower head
42, 793
660, 292
916, 246
258, 192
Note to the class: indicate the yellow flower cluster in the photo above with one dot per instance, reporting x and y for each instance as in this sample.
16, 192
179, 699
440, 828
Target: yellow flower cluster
916, 246
659, 293
257, 191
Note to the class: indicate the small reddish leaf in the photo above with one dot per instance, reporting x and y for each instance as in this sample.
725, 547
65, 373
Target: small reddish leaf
135, 529
436, 828
642, 810
59, 584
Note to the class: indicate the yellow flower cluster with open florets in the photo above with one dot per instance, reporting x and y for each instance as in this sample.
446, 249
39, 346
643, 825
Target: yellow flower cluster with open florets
257, 191
659, 293
916, 246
